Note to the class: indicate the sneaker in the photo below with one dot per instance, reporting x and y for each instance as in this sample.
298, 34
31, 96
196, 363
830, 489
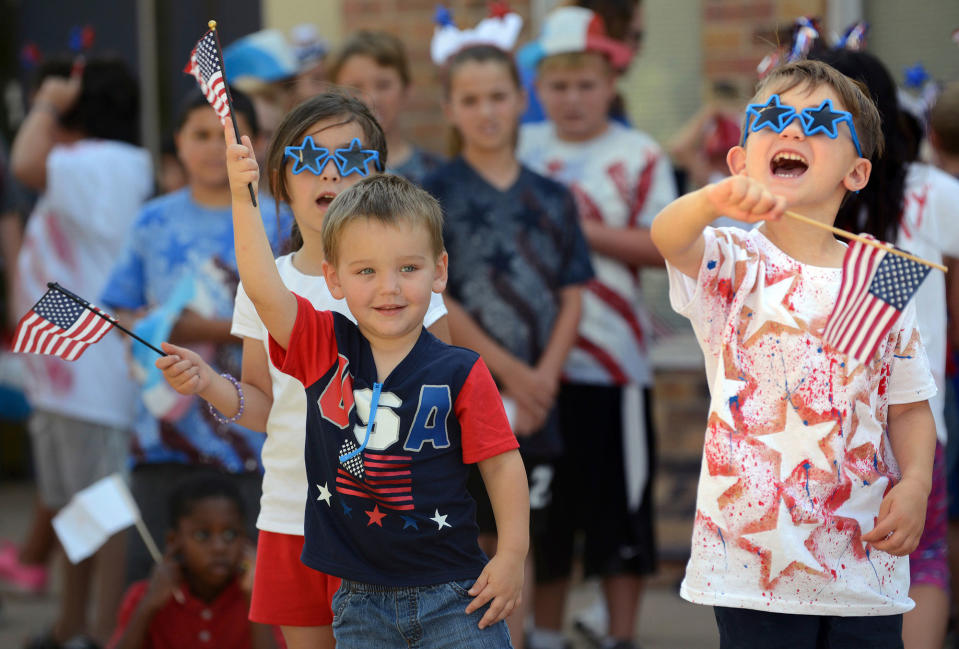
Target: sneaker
19, 577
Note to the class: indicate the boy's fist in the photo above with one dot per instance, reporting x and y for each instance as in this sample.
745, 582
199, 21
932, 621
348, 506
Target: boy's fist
745, 199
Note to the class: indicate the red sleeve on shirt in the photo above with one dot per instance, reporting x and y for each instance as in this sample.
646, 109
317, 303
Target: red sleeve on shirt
131, 599
312, 349
483, 423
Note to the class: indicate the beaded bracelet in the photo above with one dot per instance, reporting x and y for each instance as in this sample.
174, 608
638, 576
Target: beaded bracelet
239, 393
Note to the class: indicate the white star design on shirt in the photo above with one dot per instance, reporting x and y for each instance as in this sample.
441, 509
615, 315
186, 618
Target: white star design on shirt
863, 503
797, 442
324, 493
766, 303
440, 520
868, 429
713, 487
785, 543
727, 388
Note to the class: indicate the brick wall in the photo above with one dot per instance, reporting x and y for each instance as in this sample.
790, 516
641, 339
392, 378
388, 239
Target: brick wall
737, 34
412, 21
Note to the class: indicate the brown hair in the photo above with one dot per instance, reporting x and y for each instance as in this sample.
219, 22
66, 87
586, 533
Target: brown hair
853, 96
384, 48
944, 119
573, 60
474, 54
387, 199
290, 132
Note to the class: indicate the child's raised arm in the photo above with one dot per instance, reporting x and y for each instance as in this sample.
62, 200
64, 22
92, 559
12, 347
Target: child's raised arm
678, 230
274, 303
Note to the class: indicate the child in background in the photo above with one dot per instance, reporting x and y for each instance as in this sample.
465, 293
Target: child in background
286, 592
518, 262
375, 64
620, 179
198, 597
186, 239
79, 148
944, 129
816, 467
380, 490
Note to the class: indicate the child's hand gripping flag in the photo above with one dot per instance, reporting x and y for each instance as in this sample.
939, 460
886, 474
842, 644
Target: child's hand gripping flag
876, 286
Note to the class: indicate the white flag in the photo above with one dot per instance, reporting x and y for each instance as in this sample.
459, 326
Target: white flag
93, 515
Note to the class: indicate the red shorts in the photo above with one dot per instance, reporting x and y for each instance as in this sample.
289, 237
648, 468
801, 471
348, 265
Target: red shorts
286, 592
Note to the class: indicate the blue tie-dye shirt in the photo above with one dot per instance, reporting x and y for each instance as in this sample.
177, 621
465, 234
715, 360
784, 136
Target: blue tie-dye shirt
173, 237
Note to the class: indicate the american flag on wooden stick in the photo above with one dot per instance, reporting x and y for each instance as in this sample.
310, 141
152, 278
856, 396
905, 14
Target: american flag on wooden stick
205, 65
876, 286
58, 325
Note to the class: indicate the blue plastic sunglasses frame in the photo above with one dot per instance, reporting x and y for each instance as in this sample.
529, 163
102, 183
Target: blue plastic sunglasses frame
776, 116
348, 160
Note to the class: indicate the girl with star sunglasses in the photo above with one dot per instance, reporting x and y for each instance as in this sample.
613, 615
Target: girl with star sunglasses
322, 147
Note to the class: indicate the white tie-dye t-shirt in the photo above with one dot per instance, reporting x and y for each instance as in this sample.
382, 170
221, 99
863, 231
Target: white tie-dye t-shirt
796, 458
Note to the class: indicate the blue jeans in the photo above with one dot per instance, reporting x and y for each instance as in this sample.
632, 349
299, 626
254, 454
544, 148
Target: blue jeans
413, 617
743, 628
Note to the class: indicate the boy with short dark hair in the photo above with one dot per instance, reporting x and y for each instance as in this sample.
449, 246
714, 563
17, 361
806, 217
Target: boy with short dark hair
816, 467
620, 179
199, 596
393, 418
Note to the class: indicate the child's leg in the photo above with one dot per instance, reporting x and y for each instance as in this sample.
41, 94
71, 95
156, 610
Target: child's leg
288, 594
875, 632
743, 628
924, 627
620, 540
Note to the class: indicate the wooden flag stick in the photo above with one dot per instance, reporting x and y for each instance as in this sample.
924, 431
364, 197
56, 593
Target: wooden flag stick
872, 242
229, 99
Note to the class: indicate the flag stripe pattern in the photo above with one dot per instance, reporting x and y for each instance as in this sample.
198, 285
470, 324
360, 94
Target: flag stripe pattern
876, 286
206, 67
59, 326
384, 479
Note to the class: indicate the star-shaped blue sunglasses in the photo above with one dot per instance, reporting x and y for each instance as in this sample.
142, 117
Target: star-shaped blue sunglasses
777, 116
349, 160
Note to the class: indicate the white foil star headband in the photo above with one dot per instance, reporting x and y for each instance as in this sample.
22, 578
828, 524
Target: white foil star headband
500, 29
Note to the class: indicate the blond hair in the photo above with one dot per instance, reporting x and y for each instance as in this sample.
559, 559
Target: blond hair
387, 199
852, 95
573, 61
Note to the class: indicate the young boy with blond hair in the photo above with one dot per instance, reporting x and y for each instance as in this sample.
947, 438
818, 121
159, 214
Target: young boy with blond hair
393, 418
816, 467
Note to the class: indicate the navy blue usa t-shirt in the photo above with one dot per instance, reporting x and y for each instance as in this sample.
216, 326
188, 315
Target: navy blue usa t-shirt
398, 512
511, 253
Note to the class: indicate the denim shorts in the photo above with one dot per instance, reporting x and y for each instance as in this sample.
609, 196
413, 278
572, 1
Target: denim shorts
411, 617
743, 628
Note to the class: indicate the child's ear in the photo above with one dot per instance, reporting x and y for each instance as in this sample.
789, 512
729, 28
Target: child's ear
736, 160
441, 272
858, 176
332, 280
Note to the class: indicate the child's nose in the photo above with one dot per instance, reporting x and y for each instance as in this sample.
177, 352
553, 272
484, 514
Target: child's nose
330, 172
390, 282
793, 130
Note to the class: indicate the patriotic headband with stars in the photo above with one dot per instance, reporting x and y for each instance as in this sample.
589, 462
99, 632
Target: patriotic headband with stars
349, 160
776, 116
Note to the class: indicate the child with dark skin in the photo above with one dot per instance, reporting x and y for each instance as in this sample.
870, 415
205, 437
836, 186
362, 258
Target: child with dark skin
200, 593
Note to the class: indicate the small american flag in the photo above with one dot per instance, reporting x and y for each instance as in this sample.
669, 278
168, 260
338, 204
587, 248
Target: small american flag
876, 286
59, 326
384, 479
206, 66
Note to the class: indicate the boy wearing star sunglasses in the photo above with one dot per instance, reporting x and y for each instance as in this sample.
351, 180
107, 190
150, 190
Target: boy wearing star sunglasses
816, 468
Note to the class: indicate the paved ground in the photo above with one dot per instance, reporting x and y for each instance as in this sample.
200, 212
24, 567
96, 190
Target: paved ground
667, 621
